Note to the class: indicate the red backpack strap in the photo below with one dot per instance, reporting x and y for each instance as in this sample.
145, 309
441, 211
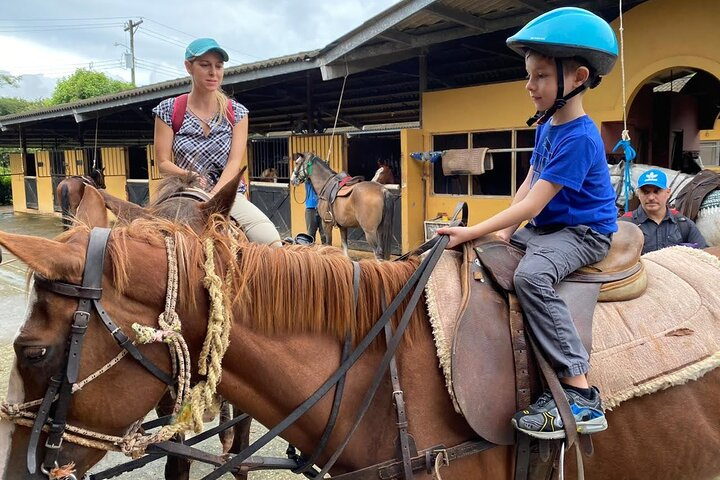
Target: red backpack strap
178, 113
231, 112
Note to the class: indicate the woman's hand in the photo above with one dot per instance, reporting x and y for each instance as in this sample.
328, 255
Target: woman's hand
457, 235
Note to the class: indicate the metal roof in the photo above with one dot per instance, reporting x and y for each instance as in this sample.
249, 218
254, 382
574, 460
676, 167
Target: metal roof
380, 68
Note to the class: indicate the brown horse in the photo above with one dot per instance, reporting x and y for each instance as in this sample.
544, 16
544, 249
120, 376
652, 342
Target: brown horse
369, 205
281, 350
70, 192
177, 199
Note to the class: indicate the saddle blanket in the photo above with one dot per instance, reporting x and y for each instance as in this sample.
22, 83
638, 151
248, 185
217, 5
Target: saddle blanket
666, 337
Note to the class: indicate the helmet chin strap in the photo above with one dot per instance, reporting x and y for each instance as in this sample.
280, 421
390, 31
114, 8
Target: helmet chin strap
560, 100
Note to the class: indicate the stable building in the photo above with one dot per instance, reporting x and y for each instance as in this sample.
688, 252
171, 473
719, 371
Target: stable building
424, 75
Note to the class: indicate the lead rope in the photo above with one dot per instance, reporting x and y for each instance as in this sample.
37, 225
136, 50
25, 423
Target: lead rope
624, 142
134, 443
337, 114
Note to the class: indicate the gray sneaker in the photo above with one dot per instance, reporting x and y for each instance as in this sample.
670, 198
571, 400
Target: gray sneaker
542, 419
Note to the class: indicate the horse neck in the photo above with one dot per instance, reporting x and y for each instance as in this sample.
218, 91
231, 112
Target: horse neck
269, 376
321, 173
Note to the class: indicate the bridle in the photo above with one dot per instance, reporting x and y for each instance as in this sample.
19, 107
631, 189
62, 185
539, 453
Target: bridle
55, 404
301, 171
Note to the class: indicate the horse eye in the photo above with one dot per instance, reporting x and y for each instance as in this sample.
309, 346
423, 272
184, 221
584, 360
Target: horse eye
34, 354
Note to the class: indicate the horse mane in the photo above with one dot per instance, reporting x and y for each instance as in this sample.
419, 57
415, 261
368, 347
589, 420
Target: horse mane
293, 289
180, 209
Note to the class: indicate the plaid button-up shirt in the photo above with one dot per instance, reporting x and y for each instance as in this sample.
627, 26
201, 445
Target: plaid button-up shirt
193, 150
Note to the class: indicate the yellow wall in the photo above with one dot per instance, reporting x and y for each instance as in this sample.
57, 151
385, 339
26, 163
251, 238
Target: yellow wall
44, 183
714, 134
652, 33
413, 192
320, 145
115, 163
74, 163
17, 182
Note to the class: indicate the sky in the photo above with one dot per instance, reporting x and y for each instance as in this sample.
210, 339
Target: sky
44, 41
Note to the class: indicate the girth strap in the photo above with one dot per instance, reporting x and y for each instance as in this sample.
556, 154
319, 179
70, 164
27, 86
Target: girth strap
425, 460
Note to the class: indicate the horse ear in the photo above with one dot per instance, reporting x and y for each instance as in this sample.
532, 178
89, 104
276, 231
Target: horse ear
51, 259
91, 210
124, 211
223, 200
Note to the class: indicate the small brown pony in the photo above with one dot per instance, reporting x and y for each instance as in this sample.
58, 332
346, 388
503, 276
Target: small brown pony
281, 350
369, 205
70, 192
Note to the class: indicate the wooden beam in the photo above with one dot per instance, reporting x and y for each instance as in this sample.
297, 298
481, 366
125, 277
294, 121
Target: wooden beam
537, 5
397, 37
458, 16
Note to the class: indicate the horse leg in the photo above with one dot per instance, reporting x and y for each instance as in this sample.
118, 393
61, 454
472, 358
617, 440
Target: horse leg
343, 239
241, 438
226, 436
175, 467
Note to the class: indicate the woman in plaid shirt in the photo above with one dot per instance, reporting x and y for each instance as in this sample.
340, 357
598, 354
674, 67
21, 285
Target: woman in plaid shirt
208, 142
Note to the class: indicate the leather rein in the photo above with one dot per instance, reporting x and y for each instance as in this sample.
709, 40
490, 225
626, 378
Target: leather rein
52, 414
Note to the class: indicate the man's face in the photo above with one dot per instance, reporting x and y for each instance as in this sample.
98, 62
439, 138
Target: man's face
653, 199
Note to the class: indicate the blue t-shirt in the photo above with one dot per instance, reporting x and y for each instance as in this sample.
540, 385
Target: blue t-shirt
573, 155
311, 198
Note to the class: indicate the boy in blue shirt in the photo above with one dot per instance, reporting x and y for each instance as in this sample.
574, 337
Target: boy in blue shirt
567, 199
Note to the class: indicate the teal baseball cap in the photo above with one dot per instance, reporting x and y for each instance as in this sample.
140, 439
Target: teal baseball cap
203, 45
653, 177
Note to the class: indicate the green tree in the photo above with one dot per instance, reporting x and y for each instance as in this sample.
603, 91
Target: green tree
85, 84
9, 105
7, 79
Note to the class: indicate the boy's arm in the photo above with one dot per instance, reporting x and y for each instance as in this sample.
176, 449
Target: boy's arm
521, 193
530, 206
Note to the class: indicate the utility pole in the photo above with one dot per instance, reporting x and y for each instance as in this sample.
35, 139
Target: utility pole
131, 27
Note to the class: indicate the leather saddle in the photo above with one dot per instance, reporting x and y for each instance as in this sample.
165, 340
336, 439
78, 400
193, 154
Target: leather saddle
339, 185
490, 360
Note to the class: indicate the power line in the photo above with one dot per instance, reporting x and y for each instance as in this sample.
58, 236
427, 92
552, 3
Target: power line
59, 28
161, 37
161, 65
59, 19
195, 36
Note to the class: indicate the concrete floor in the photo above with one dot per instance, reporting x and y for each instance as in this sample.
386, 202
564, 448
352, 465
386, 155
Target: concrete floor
13, 303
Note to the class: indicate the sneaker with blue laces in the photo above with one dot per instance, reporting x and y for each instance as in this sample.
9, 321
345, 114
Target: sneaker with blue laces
542, 419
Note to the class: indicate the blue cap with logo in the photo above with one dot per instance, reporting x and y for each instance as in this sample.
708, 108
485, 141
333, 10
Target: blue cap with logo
653, 177
203, 45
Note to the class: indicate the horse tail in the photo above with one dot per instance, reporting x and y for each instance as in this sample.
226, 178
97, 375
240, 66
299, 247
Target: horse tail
386, 224
65, 205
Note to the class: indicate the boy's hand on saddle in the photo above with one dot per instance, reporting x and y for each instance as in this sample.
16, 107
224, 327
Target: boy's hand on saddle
457, 235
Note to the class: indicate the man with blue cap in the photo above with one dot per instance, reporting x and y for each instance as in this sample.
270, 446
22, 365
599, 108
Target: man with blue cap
663, 227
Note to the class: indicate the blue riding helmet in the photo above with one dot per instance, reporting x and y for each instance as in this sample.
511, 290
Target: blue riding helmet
565, 33
569, 32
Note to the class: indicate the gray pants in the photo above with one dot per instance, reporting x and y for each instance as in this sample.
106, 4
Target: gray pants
256, 225
550, 256
314, 223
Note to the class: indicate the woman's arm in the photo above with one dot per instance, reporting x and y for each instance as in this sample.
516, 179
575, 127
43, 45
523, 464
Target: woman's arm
163, 149
237, 151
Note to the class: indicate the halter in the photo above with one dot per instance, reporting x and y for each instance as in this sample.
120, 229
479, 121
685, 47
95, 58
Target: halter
55, 404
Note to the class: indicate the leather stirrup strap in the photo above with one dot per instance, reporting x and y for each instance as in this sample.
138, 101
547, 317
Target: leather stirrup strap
407, 447
571, 435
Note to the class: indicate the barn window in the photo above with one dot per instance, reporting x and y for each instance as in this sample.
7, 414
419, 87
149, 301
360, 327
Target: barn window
511, 151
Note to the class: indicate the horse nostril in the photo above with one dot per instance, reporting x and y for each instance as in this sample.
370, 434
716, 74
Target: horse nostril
34, 354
